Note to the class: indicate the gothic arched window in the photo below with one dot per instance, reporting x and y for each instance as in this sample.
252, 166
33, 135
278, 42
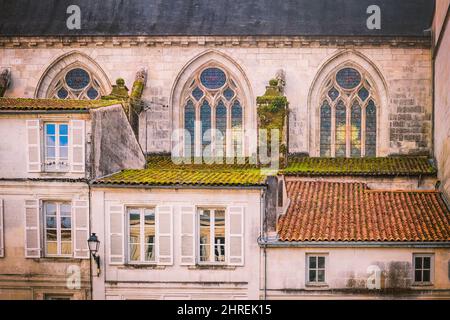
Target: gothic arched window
348, 116
213, 109
76, 83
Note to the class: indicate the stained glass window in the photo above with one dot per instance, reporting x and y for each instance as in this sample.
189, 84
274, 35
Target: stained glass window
341, 128
333, 94
213, 78
189, 126
348, 78
348, 98
76, 83
325, 130
355, 142
221, 126
197, 93
214, 84
205, 118
371, 129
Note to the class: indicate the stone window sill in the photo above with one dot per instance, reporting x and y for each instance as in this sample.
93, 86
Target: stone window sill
143, 266
211, 267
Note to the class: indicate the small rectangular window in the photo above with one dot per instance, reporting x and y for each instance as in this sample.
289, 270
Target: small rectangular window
56, 147
423, 268
212, 235
316, 269
141, 231
58, 229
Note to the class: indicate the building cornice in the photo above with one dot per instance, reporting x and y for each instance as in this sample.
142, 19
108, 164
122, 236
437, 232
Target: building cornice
214, 41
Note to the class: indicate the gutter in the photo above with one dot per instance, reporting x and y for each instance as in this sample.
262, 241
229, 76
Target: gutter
351, 244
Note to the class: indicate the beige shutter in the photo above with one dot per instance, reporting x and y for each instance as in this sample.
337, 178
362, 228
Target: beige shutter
235, 223
187, 235
2, 231
164, 231
77, 146
116, 217
33, 146
32, 229
80, 216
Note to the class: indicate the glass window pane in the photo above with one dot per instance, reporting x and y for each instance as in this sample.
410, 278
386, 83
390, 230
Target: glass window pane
341, 130
77, 79
189, 127
426, 262
63, 129
426, 275
52, 248
66, 222
213, 78
66, 234
312, 276
205, 233
50, 140
325, 130
66, 248
348, 78
51, 234
150, 253
50, 128
321, 262
205, 118
63, 141
333, 94
92, 93
312, 262
50, 209
135, 252
64, 153
321, 275
355, 142
228, 94
65, 210
134, 226
371, 129
62, 93
51, 222
221, 127
418, 275
197, 93
219, 235
51, 152
236, 124
418, 263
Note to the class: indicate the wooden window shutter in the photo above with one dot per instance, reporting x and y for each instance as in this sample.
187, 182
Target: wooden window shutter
77, 146
235, 223
188, 235
34, 163
32, 229
116, 218
80, 215
164, 235
2, 231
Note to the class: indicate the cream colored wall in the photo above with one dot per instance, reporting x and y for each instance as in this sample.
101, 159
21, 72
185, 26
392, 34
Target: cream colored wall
176, 281
24, 278
13, 146
442, 99
406, 72
347, 271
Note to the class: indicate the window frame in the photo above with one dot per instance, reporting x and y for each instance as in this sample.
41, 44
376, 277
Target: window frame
348, 97
211, 261
423, 255
308, 281
58, 204
57, 158
142, 245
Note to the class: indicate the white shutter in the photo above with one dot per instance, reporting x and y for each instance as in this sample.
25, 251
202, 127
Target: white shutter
235, 223
187, 235
76, 151
32, 229
80, 216
116, 217
33, 146
2, 231
164, 231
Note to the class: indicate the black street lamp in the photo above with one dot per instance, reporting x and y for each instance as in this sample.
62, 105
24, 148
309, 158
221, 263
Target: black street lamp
93, 244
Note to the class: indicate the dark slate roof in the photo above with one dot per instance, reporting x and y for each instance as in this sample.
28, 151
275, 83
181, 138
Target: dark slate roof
216, 17
389, 166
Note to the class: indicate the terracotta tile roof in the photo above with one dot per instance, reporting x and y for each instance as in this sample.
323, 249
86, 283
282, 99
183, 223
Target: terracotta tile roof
390, 166
24, 104
329, 211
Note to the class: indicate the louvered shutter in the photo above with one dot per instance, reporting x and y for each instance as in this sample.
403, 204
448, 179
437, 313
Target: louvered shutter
2, 231
33, 146
77, 146
116, 217
32, 229
235, 235
187, 235
164, 220
80, 215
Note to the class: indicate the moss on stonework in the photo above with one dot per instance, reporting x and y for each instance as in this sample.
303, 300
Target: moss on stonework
119, 91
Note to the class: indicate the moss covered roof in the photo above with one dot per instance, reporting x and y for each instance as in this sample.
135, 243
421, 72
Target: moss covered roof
25, 104
390, 166
162, 171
